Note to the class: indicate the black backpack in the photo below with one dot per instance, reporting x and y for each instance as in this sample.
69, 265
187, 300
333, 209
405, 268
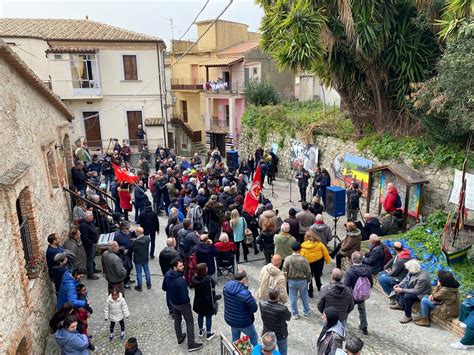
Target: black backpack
353, 199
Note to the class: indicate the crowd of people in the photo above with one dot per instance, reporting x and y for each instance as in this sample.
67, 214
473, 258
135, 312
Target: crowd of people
209, 231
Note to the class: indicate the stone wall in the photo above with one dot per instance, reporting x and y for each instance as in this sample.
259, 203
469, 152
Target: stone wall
434, 196
32, 172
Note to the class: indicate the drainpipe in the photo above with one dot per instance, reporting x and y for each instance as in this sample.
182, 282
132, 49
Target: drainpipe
165, 130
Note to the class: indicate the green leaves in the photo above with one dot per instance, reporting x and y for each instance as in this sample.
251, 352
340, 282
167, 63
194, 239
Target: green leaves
261, 93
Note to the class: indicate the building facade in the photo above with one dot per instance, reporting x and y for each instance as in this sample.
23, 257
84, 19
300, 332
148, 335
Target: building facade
110, 78
36, 158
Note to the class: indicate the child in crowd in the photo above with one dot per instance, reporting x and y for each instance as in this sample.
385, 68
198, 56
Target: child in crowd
116, 310
83, 314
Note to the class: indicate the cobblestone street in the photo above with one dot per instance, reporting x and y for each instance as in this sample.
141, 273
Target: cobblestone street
151, 325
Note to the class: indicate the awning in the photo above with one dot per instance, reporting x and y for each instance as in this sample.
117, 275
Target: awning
224, 62
72, 50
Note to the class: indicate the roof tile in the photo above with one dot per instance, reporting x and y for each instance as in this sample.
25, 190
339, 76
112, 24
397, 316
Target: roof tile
238, 50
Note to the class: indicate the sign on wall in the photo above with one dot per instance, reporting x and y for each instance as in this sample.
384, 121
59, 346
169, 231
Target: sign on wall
349, 168
302, 154
469, 200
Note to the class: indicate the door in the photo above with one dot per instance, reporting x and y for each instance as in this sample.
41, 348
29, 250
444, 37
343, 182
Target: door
227, 116
170, 140
134, 119
194, 74
184, 110
226, 77
218, 140
92, 128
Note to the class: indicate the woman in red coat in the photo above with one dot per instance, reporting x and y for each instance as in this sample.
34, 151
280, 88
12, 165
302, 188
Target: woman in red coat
390, 201
125, 199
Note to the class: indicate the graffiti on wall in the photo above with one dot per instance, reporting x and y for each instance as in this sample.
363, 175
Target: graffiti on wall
348, 168
302, 154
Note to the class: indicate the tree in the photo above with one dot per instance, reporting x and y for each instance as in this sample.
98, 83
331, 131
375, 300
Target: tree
456, 19
261, 93
369, 51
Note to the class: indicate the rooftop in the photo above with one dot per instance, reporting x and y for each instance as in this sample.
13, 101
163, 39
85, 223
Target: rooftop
239, 49
69, 29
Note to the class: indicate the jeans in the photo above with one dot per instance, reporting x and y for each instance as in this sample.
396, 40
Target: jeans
300, 286
468, 338
90, 254
283, 346
316, 272
362, 316
302, 192
352, 214
208, 323
109, 178
184, 311
152, 244
138, 211
406, 300
426, 306
139, 274
387, 282
250, 331
244, 247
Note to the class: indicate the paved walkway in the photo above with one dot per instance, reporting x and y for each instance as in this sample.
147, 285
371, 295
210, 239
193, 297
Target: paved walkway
150, 324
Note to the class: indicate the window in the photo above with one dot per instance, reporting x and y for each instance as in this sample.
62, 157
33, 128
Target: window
58, 57
130, 71
184, 110
227, 116
84, 71
255, 71
52, 170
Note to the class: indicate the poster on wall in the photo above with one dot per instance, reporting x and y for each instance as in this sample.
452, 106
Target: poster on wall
302, 154
348, 168
454, 198
415, 192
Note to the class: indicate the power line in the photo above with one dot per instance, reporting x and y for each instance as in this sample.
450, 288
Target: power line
192, 23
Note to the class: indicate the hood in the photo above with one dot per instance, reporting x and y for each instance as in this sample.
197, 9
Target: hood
338, 290
393, 190
110, 299
309, 244
273, 270
198, 280
269, 214
320, 226
63, 336
361, 270
174, 274
169, 251
285, 237
405, 254
338, 328
234, 287
355, 234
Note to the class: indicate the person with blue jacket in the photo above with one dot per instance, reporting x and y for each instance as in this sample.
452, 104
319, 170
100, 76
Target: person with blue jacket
70, 340
68, 289
178, 295
239, 307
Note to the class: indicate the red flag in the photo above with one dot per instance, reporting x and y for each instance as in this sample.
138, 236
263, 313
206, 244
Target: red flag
123, 175
253, 195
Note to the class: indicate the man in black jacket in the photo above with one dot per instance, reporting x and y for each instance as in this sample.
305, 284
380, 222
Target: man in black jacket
140, 245
79, 178
302, 175
151, 225
89, 237
167, 255
274, 317
394, 271
375, 258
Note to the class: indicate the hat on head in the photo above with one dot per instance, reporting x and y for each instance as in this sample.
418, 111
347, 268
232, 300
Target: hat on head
59, 257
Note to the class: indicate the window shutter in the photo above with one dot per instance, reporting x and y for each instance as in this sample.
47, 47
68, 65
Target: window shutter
130, 67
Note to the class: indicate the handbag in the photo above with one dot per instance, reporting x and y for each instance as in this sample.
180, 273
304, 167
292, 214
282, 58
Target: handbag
248, 236
215, 305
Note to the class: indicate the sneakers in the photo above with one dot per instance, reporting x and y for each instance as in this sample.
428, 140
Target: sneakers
462, 325
308, 314
458, 345
138, 288
396, 306
404, 319
148, 287
210, 336
295, 316
194, 347
127, 287
180, 341
122, 335
364, 330
111, 337
202, 331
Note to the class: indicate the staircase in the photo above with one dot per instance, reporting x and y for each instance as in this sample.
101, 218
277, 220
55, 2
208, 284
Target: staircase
201, 149
194, 136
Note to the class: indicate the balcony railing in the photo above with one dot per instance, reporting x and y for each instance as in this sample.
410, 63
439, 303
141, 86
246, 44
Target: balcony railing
218, 125
223, 87
187, 84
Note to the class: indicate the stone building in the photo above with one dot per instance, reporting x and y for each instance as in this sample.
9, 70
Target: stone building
35, 158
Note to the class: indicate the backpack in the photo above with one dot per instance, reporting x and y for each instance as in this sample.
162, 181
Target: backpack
190, 268
398, 202
195, 214
387, 255
353, 200
362, 289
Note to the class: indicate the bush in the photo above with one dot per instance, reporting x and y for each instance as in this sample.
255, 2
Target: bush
261, 93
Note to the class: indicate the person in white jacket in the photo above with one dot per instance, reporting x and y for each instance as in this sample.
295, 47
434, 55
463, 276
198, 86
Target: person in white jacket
116, 310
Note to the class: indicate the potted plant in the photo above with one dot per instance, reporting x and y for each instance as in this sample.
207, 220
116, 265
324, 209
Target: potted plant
34, 266
243, 345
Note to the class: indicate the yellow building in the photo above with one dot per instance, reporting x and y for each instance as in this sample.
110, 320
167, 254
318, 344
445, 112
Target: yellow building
189, 74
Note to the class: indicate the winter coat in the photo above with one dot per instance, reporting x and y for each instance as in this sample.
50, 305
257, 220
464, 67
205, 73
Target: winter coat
135, 351
125, 199
187, 238
373, 226
314, 251
324, 232
113, 267
140, 198
176, 288
149, 222
89, 233
331, 340
76, 247
274, 318
283, 243
297, 267
79, 178
225, 246
141, 249
294, 226
375, 258
116, 310
165, 258
338, 296
239, 305
390, 200
419, 284
267, 215
397, 264
68, 292
72, 343
206, 253
353, 274
306, 220
265, 239
50, 254
449, 299
57, 273
270, 276
226, 199
203, 301
351, 243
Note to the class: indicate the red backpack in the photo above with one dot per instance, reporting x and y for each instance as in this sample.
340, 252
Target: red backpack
190, 268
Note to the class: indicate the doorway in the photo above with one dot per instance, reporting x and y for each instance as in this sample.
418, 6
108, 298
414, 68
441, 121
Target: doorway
218, 140
92, 128
134, 119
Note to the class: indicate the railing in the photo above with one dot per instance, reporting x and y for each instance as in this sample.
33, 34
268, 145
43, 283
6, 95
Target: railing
219, 125
223, 87
94, 206
107, 145
195, 136
227, 348
26, 241
106, 196
187, 84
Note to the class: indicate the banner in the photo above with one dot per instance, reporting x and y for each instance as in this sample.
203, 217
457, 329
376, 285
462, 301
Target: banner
469, 200
253, 195
122, 175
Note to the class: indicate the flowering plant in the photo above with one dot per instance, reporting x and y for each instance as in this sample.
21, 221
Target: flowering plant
243, 345
35, 264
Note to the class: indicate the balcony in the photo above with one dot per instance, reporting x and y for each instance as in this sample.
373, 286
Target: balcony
77, 89
222, 87
186, 84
